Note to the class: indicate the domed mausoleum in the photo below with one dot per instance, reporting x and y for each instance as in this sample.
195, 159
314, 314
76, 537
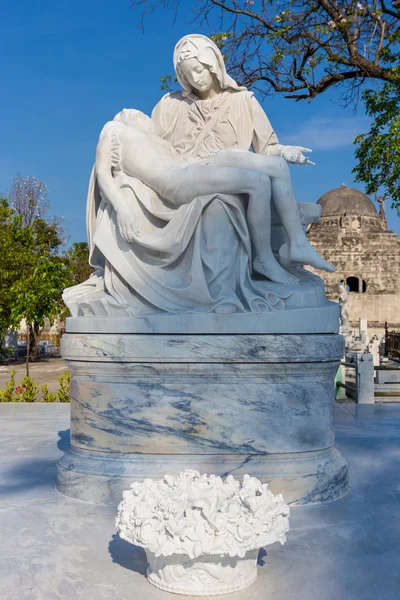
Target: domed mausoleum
354, 238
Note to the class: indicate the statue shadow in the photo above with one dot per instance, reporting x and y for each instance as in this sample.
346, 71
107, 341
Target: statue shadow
127, 555
26, 475
262, 554
134, 558
63, 443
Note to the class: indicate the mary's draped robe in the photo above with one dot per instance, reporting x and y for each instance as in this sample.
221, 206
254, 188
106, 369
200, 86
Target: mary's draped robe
192, 258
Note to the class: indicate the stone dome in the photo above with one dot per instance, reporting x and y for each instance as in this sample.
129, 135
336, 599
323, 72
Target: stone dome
346, 201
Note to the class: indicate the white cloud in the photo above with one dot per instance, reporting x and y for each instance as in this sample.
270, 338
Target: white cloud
326, 133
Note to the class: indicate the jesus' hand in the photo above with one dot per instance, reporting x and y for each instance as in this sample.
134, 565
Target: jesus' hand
295, 154
127, 225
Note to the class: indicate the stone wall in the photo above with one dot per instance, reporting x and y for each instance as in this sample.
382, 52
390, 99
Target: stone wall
378, 308
358, 250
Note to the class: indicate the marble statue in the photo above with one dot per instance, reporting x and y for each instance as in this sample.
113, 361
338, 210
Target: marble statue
202, 534
178, 214
200, 340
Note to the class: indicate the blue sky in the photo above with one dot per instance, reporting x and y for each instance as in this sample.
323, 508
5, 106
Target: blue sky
70, 65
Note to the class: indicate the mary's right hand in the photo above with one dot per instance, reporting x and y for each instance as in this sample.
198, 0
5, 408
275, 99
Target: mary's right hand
296, 155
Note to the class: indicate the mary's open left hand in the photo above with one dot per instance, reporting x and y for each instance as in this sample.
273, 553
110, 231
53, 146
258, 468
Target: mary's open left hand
295, 154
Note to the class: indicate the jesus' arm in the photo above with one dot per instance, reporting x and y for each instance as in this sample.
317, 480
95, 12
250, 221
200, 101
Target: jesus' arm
109, 188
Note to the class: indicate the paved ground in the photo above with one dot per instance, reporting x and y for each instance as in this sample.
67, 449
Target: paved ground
53, 547
43, 371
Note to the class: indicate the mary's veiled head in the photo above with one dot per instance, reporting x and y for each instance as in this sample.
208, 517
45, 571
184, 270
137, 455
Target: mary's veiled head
194, 49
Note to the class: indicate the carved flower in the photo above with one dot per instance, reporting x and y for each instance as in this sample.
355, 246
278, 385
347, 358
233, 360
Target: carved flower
219, 521
145, 534
175, 527
198, 514
243, 533
143, 511
166, 547
280, 528
135, 489
172, 508
251, 484
233, 510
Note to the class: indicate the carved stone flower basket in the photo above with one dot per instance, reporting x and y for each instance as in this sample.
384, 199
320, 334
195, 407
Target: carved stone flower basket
202, 534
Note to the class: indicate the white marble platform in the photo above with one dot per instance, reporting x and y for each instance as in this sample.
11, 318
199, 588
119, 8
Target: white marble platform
312, 318
145, 405
55, 547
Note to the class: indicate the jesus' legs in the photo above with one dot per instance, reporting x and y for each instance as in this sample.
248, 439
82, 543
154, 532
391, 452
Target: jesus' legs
300, 250
201, 180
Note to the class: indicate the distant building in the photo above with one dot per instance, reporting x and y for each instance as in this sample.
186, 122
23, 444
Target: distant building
354, 238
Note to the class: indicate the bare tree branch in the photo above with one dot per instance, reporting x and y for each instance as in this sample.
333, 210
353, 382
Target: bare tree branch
390, 12
306, 47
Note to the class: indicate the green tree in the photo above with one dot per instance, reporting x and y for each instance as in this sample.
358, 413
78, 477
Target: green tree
378, 151
32, 274
13, 258
38, 239
37, 295
77, 258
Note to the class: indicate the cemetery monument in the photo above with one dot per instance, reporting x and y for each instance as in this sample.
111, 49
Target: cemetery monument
200, 341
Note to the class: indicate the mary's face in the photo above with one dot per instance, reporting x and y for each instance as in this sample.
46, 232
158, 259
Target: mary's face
197, 75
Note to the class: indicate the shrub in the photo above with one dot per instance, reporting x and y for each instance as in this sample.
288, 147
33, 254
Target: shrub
29, 390
46, 395
8, 395
64, 393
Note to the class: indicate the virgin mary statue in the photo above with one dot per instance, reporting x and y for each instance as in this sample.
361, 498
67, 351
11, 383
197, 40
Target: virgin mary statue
195, 257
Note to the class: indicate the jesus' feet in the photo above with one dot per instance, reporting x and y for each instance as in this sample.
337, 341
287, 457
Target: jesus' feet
304, 254
273, 271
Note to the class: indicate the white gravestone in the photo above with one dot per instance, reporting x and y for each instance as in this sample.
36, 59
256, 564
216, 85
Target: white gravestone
365, 378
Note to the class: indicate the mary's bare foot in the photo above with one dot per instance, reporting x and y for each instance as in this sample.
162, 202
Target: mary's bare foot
273, 271
304, 254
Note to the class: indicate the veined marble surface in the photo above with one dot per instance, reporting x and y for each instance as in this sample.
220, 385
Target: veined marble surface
178, 348
303, 477
232, 403
191, 409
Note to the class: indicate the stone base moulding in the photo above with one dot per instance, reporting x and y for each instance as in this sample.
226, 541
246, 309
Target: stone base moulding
302, 477
309, 317
143, 405
198, 576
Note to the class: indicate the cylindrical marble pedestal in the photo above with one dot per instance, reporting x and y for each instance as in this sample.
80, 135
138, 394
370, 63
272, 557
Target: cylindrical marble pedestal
143, 405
